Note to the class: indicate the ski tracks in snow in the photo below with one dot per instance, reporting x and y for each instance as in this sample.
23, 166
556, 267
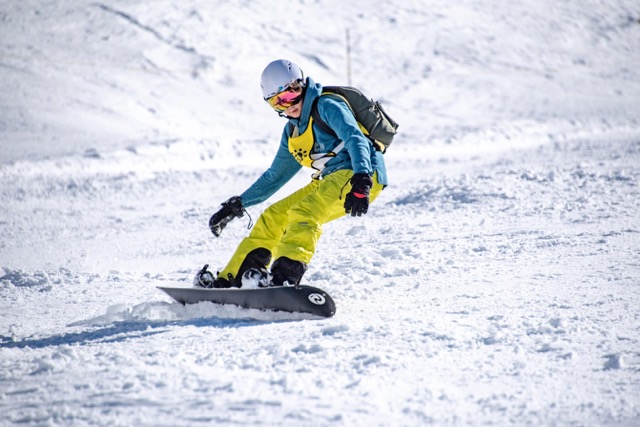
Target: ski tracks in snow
495, 282
488, 280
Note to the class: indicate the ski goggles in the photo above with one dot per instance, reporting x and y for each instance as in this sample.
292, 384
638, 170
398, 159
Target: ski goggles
291, 95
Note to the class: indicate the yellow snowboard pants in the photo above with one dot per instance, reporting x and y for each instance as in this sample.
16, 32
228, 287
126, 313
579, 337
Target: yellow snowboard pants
292, 227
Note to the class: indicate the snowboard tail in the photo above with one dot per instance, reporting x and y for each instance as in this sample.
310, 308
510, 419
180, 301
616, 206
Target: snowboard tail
294, 299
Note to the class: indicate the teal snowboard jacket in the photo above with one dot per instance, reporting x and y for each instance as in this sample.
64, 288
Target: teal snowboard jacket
358, 153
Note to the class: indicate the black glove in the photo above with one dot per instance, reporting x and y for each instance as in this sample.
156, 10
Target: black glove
357, 201
231, 209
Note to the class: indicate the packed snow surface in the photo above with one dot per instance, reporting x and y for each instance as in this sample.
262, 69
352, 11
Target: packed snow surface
496, 281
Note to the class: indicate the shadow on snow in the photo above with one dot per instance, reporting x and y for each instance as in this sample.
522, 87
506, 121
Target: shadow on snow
124, 331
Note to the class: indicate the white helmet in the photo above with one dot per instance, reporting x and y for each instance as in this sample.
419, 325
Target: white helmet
278, 75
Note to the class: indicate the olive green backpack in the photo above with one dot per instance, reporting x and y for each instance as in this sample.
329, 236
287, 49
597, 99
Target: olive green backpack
374, 122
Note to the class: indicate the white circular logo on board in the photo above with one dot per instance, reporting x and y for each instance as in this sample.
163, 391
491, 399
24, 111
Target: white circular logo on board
317, 299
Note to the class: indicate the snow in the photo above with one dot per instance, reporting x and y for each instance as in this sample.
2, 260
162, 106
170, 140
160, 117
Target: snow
496, 281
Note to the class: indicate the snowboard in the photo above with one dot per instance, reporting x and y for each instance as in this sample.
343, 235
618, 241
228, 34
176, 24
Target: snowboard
294, 299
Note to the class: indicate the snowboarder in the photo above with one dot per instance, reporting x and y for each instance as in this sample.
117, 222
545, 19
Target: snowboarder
349, 174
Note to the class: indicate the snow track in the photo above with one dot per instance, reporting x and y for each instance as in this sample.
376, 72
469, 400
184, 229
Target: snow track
501, 294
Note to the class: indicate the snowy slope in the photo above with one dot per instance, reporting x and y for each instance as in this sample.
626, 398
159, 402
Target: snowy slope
495, 282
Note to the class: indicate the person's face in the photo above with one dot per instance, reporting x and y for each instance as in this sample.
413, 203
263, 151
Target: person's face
294, 110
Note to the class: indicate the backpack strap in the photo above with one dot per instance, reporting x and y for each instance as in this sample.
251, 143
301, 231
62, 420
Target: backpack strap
318, 120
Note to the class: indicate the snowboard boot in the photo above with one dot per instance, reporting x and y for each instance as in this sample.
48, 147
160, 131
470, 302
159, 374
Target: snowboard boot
205, 279
254, 267
256, 259
256, 278
287, 272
